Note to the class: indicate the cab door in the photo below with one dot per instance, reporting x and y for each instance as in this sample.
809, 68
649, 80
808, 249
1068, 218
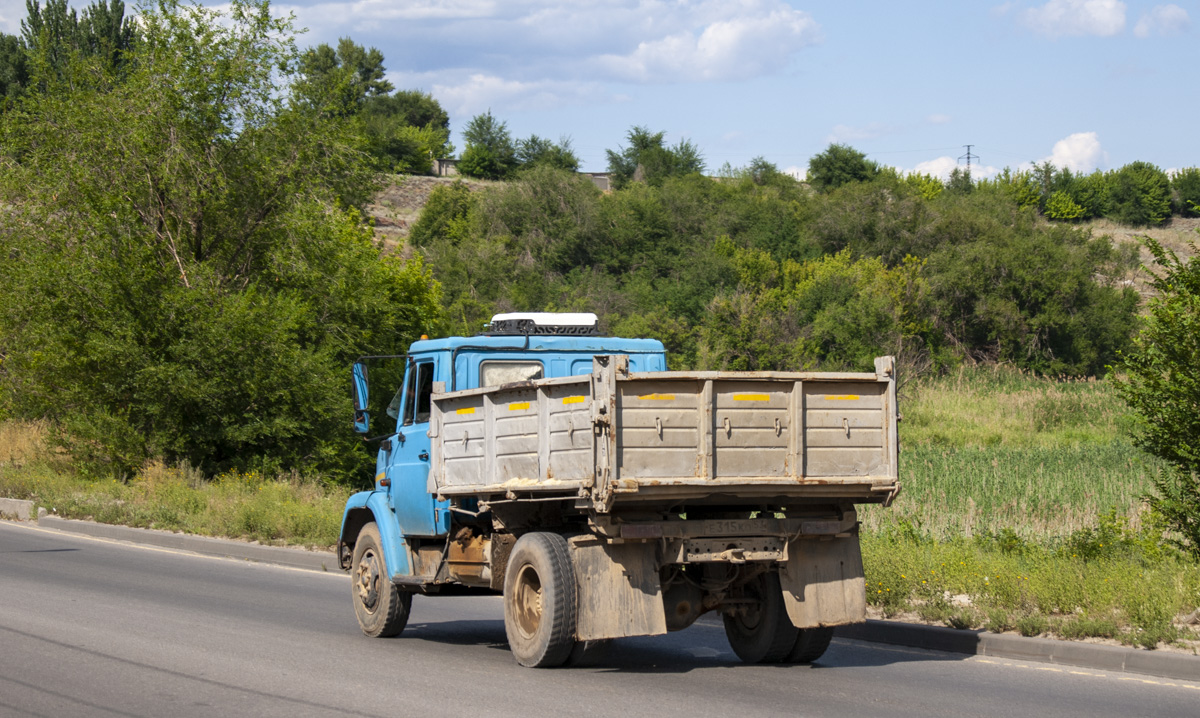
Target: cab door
408, 469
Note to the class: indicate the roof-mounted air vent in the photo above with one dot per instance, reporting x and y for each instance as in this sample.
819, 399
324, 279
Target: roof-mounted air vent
544, 323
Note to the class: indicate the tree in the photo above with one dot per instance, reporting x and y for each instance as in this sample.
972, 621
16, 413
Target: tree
346, 77
1162, 387
14, 66
539, 151
185, 274
51, 35
490, 153
648, 159
1186, 187
1061, 207
839, 165
1140, 195
960, 182
412, 108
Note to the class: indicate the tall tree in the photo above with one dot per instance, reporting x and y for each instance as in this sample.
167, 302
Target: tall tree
537, 151
649, 159
839, 165
181, 275
347, 77
490, 152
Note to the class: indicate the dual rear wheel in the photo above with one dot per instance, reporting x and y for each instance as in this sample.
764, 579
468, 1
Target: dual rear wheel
762, 632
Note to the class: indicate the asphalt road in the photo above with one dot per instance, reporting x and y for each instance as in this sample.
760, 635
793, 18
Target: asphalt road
90, 627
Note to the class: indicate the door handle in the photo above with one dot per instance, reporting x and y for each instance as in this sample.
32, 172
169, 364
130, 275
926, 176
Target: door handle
423, 456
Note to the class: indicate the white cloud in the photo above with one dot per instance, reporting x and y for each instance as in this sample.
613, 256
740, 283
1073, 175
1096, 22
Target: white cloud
1163, 20
847, 133
938, 119
1080, 152
1102, 18
479, 92
641, 41
735, 44
372, 11
942, 167
800, 173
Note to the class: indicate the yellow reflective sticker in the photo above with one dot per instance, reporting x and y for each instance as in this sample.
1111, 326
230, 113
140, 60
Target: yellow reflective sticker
378, 476
468, 410
751, 397
518, 406
841, 397
572, 399
660, 397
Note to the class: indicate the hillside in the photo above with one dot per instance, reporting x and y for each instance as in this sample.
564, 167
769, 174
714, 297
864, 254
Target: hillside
399, 203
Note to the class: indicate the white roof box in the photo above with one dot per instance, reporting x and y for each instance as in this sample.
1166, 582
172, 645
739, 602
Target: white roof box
578, 323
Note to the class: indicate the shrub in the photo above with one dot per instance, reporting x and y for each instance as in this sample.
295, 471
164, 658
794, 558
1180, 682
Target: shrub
1162, 386
838, 165
1033, 625
1185, 186
1140, 195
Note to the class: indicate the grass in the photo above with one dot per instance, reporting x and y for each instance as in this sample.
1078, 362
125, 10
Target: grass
989, 448
1022, 509
278, 510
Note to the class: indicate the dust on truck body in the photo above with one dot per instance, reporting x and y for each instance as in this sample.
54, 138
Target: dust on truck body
605, 496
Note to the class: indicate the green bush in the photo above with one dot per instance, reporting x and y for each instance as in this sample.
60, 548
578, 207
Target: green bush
1185, 186
1162, 387
838, 165
1139, 195
994, 297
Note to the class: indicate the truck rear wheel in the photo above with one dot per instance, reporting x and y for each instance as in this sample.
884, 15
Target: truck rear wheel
539, 600
760, 631
810, 644
381, 607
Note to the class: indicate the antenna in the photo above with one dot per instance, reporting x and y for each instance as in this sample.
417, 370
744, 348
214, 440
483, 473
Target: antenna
968, 157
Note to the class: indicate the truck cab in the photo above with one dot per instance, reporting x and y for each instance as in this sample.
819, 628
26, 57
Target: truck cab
515, 348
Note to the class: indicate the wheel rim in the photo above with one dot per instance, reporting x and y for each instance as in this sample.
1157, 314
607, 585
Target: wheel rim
752, 615
527, 601
366, 580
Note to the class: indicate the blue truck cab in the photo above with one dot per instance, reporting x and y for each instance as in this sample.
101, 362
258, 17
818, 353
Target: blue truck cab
514, 348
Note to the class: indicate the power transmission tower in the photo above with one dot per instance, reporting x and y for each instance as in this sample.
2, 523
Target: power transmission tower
968, 157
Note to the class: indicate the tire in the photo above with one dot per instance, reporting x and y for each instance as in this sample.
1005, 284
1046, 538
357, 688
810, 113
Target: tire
762, 633
381, 607
810, 644
539, 601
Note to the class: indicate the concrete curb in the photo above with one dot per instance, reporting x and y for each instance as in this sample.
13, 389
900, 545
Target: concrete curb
294, 557
1042, 650
21, 509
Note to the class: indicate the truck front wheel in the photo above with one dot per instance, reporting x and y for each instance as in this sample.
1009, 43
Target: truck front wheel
381, 607
759, 630
539, 600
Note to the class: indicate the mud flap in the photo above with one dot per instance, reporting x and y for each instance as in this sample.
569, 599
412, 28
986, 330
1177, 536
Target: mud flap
823, 582
619, 593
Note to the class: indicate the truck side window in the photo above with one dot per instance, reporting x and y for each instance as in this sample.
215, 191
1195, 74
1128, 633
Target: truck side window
495, 373
420, 394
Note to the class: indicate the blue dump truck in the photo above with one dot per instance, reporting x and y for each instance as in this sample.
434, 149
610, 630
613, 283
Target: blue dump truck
604, 496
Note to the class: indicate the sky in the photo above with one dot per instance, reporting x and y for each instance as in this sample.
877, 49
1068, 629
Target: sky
1087, 84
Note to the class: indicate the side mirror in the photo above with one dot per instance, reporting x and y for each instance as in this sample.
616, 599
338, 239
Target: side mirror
362, 421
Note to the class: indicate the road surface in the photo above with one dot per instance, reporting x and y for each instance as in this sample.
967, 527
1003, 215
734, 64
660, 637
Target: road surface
90, 627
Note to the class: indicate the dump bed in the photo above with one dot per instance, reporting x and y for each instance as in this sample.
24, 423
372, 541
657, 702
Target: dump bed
614, 437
